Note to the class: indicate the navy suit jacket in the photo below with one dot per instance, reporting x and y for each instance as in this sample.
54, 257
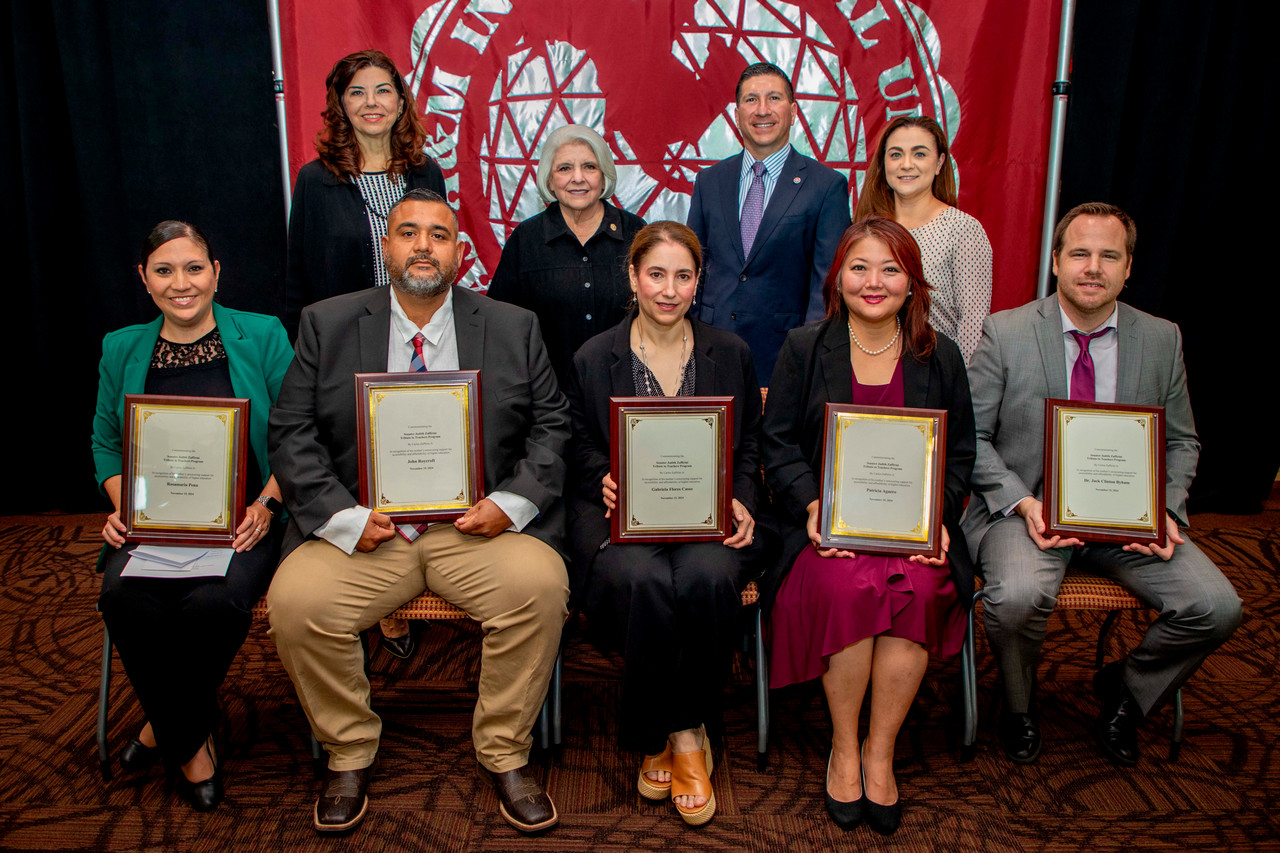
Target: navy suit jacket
762, 297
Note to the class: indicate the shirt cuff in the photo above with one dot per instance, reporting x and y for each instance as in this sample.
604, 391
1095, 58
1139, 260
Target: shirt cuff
1013, 507
518, 508
344, 529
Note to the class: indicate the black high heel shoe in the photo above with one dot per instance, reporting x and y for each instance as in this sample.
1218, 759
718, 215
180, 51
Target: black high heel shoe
137, 756
846, 815
883, 819
204, 796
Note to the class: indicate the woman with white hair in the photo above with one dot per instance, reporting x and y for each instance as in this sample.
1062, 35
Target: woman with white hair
568, 264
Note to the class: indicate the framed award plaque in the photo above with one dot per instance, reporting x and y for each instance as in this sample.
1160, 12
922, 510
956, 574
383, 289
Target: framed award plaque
882, 478
421, 443
672, 458
1104, 472
184, 469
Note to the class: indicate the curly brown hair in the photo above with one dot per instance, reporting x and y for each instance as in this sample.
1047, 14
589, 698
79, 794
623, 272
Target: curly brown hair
336, 143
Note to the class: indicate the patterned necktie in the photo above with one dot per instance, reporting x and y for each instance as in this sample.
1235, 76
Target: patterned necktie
1082, 382
418, 364
753, 208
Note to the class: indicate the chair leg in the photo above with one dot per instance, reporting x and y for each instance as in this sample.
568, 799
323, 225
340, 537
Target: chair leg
317, 751
762, 694
1101, 657
557, 736
104, 699
549, 716
1175, 746
969, 687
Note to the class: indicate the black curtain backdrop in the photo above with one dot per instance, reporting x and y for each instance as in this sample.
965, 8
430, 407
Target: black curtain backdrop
121, 114
1165, 105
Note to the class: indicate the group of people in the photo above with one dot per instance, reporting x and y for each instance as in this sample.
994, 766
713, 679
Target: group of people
771, 282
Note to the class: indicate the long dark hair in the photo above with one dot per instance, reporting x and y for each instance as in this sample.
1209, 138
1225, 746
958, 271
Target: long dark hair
877, 196
918, 337
336, 143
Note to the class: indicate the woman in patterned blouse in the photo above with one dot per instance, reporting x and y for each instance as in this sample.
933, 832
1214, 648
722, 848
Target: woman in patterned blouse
178, 636
911, 180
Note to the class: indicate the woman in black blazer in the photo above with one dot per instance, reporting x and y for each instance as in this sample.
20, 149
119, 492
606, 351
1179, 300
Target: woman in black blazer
865, 620
370, 154
671, 609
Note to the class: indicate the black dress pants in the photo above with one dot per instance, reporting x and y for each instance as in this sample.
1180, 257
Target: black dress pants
177, 638
673, 611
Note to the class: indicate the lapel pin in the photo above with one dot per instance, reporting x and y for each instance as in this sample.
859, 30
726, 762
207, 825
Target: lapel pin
613, 227
795, 180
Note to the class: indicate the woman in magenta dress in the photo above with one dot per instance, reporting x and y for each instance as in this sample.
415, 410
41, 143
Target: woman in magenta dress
860, 620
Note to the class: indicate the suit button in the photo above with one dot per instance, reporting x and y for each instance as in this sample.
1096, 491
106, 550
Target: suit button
733, 316
742, 277
584, 259
588, 316
587, 284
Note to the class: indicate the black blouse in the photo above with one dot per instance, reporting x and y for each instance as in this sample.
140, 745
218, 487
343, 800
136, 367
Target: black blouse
577, 291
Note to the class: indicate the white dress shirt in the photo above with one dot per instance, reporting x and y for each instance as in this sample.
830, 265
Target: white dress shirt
440, 352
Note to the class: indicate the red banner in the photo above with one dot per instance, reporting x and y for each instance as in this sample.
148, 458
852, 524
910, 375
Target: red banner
493, 77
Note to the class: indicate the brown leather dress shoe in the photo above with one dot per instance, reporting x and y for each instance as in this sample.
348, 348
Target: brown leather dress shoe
343, 801
523, 803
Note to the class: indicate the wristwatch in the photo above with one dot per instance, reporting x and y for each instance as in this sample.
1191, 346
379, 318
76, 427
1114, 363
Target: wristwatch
273, 506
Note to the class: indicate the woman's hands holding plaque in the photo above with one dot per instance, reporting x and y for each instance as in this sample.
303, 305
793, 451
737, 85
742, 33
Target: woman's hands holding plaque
257, 521
941, 559
610, 490
811, 526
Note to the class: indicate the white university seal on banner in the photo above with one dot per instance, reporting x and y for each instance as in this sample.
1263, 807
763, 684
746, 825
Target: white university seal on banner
495, 77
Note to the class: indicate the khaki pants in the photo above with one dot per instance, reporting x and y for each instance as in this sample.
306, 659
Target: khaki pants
514, 585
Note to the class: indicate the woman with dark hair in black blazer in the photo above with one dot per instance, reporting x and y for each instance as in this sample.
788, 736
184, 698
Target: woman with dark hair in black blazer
865, 620
671, 609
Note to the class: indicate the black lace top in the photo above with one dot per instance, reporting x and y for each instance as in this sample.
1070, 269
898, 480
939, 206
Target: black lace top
168, 354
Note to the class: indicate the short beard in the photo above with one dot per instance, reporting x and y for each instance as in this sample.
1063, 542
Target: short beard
422, 286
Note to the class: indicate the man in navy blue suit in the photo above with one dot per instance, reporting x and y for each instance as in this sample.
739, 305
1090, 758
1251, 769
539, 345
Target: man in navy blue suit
769, 220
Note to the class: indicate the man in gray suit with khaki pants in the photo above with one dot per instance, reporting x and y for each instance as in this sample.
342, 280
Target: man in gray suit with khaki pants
1084, 344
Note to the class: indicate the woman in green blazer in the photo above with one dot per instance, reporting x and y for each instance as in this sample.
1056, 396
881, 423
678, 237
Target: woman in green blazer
177, 637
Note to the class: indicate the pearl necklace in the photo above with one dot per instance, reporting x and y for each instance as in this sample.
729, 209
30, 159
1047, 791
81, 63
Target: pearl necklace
644, 359
858, 344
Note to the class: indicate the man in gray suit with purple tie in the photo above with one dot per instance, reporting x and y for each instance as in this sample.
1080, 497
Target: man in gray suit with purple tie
1083, 343
769, 220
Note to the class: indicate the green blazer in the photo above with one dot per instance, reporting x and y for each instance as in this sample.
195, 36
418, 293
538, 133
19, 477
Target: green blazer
258, 354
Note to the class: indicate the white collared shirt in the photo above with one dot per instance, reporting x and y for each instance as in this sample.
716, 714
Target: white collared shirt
1104, 351
440, 352
772, 169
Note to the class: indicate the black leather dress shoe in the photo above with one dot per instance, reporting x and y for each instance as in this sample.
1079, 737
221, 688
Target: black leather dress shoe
1020, 737
137, 756
1117, 725
343, 800
399, 647
522, 801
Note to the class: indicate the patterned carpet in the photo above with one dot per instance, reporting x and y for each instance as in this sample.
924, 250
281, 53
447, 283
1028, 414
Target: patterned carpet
1222, 794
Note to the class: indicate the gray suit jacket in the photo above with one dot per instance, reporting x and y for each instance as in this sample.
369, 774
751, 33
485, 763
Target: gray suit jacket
313, 424
1021, 361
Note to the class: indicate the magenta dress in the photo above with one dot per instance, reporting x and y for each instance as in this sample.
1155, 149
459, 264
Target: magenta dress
826, 604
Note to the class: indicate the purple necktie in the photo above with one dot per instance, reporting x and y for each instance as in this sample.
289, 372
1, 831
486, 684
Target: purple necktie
417, 364
753, 208
1082, 382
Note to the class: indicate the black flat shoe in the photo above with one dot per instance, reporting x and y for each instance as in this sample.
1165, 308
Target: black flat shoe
137, 756
204, 796
846, 815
